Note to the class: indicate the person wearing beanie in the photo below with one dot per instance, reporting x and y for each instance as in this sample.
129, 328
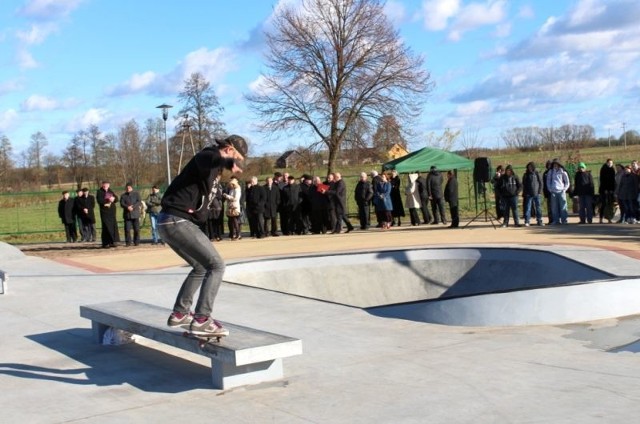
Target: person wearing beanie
584, 190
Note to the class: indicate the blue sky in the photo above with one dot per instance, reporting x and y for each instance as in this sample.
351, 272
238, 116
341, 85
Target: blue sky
496, 65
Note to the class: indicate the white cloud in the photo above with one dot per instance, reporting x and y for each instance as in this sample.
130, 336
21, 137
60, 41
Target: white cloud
49, 9
477, 15
395, 11
25, 60
93, 116
585, 11
436, 13
37, 33
474, 108
526, 12
214, 65
8, 118
38, 103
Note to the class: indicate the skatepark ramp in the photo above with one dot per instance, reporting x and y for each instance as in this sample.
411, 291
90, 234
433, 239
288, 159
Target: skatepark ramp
454, 286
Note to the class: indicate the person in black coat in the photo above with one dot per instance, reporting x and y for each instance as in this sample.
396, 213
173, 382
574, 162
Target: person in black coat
272, 205
606, 190
584, 190
66, 212
339, 194
85, 210
256, 201
396, 199
363, 194
434, 189
107, 201
451, 197
320, 222
421, 183
131, 203
290, 200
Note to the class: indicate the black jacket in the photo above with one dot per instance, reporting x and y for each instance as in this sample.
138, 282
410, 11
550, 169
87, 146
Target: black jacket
607, 179
66, 211
451, 191
189, 194
256, 199
583, 184
531, 181
273, 201
434, 185
363, 193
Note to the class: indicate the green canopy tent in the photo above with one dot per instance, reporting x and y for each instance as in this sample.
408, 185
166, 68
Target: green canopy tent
422, 160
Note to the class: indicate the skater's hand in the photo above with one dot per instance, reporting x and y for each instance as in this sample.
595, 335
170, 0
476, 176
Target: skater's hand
236, 169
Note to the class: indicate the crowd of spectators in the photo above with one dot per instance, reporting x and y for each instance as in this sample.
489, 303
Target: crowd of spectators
285, 205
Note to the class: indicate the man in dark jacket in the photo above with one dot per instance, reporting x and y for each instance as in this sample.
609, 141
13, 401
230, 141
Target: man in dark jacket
421, 182
532, 187
184, 209
131, 210
290, 200
584, 189
106, 200
272, 205
66, 212
434, 189
339, 195
363, 195
510, 188
85, 209
256, 201
451, 197
606, 190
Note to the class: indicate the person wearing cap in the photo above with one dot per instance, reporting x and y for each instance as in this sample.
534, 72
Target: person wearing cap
107, 202
85, 208
558, 183
131, 204
185, 206
584, 190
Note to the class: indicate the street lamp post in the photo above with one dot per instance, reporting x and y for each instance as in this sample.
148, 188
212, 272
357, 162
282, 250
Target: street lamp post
165, 114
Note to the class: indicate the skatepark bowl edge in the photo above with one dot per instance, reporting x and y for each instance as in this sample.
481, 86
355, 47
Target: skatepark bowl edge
464, 286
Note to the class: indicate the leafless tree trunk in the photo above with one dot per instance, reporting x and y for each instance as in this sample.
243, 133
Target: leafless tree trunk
331, 62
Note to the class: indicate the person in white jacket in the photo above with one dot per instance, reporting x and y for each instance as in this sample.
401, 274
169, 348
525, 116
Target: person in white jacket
412, 199
558, 183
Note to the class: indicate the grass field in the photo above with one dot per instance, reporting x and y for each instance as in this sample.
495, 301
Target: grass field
33, 217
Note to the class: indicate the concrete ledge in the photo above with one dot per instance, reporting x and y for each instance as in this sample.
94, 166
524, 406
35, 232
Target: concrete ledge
3, 282
246, 356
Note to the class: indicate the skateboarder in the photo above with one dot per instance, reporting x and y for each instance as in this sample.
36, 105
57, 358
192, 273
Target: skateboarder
185, 206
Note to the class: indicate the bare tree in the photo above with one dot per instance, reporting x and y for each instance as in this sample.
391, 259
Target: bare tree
35, 155
387, 134
444, 141
74, 158
525, 139
6, 162
131, 159
202, 107
470, 143
332, 61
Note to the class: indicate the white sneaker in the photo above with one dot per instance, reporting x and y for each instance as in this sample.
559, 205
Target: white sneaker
526, 224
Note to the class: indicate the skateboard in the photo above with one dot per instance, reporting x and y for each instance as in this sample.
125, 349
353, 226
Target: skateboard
203, 340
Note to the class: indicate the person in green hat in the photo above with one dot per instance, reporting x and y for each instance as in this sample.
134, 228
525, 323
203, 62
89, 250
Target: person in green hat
584, 190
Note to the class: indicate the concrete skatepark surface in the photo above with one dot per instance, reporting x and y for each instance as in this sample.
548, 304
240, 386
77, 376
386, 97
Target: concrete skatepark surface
356, 366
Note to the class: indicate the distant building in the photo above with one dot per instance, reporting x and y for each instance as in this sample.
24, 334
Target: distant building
286, 160
396, 151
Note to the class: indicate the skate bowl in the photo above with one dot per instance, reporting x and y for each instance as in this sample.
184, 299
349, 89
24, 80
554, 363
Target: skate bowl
468, 286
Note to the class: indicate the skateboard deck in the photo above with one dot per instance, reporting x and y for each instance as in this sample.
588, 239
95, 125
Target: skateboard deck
203, 339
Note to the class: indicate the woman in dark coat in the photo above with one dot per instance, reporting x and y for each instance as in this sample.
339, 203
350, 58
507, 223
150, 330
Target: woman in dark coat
108, 201
396, 199
382, 201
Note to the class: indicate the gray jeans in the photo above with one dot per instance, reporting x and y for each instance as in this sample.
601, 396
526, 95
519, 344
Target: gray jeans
192, 245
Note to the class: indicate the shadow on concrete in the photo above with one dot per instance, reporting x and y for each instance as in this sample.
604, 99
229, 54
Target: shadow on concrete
147, 369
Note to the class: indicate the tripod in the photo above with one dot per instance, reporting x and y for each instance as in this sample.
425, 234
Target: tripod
186, 129
487, 215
